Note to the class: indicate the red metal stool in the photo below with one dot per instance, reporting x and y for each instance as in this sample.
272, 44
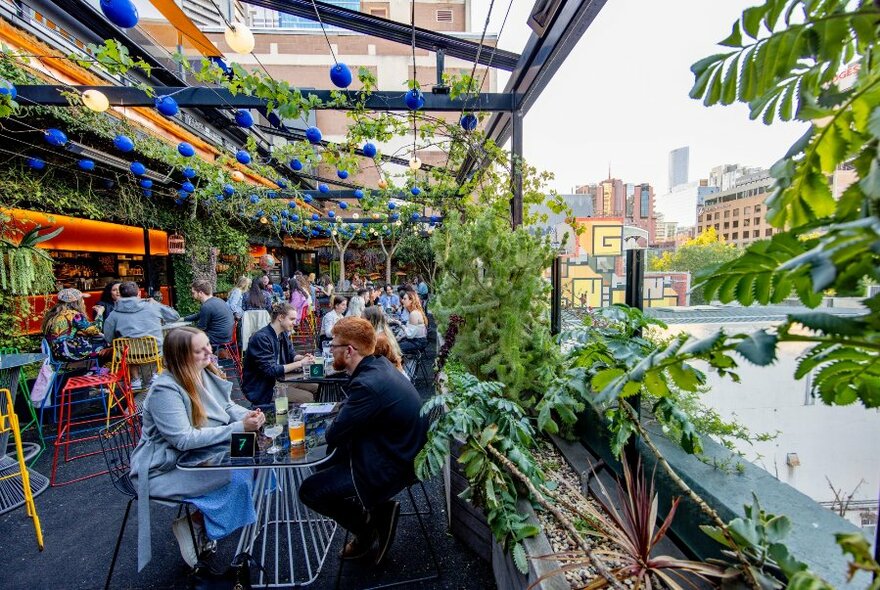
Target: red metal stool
231, 349
119, 398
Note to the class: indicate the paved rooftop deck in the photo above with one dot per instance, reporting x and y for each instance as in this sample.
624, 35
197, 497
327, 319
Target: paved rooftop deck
81, 521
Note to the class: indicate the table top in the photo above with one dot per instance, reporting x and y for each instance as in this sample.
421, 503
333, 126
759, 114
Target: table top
302, 377
11, 361
171, 326
217, 457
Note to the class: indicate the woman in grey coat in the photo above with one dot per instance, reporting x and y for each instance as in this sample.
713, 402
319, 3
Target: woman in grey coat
189, 407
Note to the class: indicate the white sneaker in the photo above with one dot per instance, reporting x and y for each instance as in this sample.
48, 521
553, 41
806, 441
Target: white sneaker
137, 383
180, 527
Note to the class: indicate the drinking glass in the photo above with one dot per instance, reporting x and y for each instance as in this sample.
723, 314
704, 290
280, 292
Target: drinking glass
296, 427
272, 432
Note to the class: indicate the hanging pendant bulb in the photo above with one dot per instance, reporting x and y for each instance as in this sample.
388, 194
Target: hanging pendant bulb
343, 174
343, 205
416, 216
95, 100
243, 118
291, 204
228, 190
313, 134
166, 105
123, 143
414, 99
239, 38
188, 187
137, 169
243, 157
415, 163
340, 75
369, 149
146, 183
468, 122
188, 172
382, 184
323, 188
331, 213
358, 193
296, 165
416, 191
86, 164
122, 13
355, 216
36, 163
55, 137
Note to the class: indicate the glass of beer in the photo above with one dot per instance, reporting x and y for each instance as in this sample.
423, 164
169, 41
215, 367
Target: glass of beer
296, 427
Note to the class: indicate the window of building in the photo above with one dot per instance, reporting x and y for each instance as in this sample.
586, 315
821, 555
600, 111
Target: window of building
716, 215
726, 237
380, 12
757, 221
747, 210
757, 208
746, 222
734, 236
768, 232
645, 204
756, 233
736, 212
727, 214
716, 227
444, 16
735, 223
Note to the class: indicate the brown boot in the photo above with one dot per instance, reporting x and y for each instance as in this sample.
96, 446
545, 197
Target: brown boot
359, 546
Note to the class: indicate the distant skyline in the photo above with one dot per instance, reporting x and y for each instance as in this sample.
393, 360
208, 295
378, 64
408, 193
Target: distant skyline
621, 98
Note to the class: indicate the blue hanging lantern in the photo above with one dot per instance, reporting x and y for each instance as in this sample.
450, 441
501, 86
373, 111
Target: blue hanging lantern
243, 118
55, 137
7, 88
146, 183
394, 216
178, 202
391, 205
358, 193
219, 198
468, 122
183, 194
124, 143
307, 198
218, 61
274, 218
260, 213
281, 182
86, 164
228, 190
316, 233
188, 187
434, 219
323, 188
166, 105
271, 194
254, 199
414, 99
36, 163
343, 174
331, 213
296, 165
122, 13
284, 213
291, 204
313, 134
369, 149
108, 184
137, 168
186, 150
315, 217
243, 157
294, 217
416, 216
188, 173
340, 75
148, 193
343, 205
416, 191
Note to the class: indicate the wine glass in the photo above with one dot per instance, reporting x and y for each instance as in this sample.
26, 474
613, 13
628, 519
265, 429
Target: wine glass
272, 432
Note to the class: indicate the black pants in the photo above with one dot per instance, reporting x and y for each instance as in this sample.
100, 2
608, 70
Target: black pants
412, 345
331, 492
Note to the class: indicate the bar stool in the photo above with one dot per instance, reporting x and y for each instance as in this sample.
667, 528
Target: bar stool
231, 348
118, 395
141, 352
9, 423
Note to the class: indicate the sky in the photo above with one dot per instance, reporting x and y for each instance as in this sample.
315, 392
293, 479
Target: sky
621, 97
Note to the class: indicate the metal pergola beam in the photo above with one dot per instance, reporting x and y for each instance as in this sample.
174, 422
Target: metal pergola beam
211, 97
390, 30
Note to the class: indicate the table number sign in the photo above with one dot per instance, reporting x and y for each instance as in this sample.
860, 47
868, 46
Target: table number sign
244, 444
316, 370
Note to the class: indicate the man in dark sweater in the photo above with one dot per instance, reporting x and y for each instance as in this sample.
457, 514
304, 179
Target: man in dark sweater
215, 317
376, 435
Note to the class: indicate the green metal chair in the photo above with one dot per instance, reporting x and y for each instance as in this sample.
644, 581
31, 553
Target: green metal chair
25, 392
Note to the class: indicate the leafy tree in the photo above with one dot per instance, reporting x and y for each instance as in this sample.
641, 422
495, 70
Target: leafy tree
705, 251
415, 251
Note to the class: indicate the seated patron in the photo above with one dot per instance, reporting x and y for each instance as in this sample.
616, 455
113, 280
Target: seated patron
356, 304
416, 328
189, 407
109, 297
133, 317
68, 330
258, 297
334, 315
236, 297
389, 301
270, 356
376, 437
214, 317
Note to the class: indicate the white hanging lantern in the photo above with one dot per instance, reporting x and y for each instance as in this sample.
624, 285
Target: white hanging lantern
415, 163
95, 100
239, 38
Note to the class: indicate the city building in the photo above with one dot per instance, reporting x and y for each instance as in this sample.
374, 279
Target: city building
738, 214
680, 205
632, 202
679, 166
727, 176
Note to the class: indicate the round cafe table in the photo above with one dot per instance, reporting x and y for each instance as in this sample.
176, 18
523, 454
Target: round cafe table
288, 539
11, 490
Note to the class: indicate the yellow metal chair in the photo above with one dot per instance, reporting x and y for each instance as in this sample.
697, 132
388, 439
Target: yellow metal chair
141, 351
9, 423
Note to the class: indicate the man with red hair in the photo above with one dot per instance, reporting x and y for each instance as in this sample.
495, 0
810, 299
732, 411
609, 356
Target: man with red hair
376, 435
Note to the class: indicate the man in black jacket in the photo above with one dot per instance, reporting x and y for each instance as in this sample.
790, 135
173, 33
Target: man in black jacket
376, 435
270, 356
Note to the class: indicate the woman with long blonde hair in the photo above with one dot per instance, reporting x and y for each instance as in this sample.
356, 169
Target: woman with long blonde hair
189, 406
